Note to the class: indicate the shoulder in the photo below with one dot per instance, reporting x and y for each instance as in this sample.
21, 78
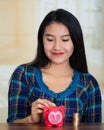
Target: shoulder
87, 76
88, 79
89, 83
24, 70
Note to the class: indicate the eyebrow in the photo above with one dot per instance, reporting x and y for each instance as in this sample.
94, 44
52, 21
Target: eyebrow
61, 35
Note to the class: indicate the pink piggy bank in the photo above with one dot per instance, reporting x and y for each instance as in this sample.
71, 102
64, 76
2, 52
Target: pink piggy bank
53, 115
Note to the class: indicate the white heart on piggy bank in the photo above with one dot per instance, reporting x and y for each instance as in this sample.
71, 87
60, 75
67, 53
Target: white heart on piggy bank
55, 117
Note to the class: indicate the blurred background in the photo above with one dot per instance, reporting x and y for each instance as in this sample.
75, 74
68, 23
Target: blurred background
19, 22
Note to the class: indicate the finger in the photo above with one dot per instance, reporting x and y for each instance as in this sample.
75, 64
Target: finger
38, 109
49, 103
43, 102
40, 106
35, 103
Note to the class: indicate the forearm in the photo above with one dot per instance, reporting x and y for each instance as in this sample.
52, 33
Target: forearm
27, 119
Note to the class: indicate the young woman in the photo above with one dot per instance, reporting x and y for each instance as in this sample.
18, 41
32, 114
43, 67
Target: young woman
57, 76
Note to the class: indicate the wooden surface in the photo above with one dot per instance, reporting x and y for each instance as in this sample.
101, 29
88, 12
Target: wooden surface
16, 126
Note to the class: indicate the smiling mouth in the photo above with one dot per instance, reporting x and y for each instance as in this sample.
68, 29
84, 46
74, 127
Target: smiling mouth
57, 53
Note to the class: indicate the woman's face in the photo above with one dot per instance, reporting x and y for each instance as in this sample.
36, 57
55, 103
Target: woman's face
57, 42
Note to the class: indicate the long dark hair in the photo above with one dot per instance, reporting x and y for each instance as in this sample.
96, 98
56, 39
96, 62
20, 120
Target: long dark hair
78, 58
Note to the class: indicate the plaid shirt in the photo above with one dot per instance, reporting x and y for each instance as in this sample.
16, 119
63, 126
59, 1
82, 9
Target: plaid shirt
82, 95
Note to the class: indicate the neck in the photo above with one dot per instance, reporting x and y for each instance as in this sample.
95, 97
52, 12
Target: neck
62, 69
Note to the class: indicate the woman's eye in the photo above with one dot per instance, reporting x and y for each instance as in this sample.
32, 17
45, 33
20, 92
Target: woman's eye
65, 40
50, 40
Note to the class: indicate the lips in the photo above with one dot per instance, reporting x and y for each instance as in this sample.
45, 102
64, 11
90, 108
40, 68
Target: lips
57, 53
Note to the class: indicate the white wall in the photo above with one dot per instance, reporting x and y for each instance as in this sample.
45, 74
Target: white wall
18, 31
5, 74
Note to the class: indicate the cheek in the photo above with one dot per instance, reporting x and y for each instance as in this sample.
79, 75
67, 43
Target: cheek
47, 51
47, 48
70, 49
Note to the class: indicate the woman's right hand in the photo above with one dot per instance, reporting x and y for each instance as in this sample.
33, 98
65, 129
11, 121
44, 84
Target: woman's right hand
37, 109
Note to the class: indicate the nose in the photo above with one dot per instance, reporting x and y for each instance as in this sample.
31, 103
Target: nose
57, 45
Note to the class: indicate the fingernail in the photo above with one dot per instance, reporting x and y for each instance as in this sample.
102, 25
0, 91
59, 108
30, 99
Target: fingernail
53, 104
46, 105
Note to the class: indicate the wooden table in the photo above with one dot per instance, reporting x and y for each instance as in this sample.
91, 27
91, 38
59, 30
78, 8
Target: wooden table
16, 126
